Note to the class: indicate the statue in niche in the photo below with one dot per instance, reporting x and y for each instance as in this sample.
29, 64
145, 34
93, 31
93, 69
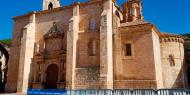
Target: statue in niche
56, 35
54, 28
54, 31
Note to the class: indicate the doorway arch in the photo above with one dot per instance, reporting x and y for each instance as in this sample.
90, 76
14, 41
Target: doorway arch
51, 77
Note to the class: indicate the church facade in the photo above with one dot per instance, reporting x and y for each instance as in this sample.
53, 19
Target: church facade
93, 45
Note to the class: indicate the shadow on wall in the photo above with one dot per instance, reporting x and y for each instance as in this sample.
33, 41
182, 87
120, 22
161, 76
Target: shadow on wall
188, 74
187, 61
30, 75
181, 80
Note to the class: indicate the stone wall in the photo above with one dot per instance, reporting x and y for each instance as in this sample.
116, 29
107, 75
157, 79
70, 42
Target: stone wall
87, 35
173, 76
141, 64
13, 65
138, 70
135, 84
87, 78
45, 23
141, 70
157, 59
26, 54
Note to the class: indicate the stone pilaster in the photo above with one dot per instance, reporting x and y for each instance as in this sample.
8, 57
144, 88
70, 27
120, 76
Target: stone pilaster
72, 37
157, 60
26, 54
118, 70
106, 47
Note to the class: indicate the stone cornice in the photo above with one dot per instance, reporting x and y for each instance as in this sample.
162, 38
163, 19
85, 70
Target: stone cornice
25, 15
171, 39
58, 9
166, 37
134, 23
136, 27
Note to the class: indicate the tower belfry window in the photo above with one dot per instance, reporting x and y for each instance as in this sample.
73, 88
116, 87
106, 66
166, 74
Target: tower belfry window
50, 6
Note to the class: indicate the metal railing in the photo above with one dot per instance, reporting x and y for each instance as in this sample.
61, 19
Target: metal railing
109, 92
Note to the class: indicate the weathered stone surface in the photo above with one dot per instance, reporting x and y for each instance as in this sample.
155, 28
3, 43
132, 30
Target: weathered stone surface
174, 76
88, 46
87, 78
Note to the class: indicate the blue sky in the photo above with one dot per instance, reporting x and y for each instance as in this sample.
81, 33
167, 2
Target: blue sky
171, 16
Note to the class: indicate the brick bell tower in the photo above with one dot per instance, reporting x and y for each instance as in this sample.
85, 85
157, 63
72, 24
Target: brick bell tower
132, 10
50, 4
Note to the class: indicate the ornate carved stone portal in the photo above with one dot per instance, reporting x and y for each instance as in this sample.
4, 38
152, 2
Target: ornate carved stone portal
49, 63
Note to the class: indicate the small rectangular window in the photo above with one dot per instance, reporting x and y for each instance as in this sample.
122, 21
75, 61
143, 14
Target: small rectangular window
128, 50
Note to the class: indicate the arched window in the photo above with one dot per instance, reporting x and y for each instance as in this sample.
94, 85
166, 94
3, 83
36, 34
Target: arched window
92, 48
171, 60
50, 6
92, 24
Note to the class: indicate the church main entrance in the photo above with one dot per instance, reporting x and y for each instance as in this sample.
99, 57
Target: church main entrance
51, 77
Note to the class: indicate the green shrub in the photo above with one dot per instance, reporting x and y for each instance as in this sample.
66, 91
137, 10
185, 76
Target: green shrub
6, 41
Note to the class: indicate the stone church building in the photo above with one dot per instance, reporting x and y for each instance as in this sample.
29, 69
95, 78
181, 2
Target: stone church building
93, 45
4, 57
